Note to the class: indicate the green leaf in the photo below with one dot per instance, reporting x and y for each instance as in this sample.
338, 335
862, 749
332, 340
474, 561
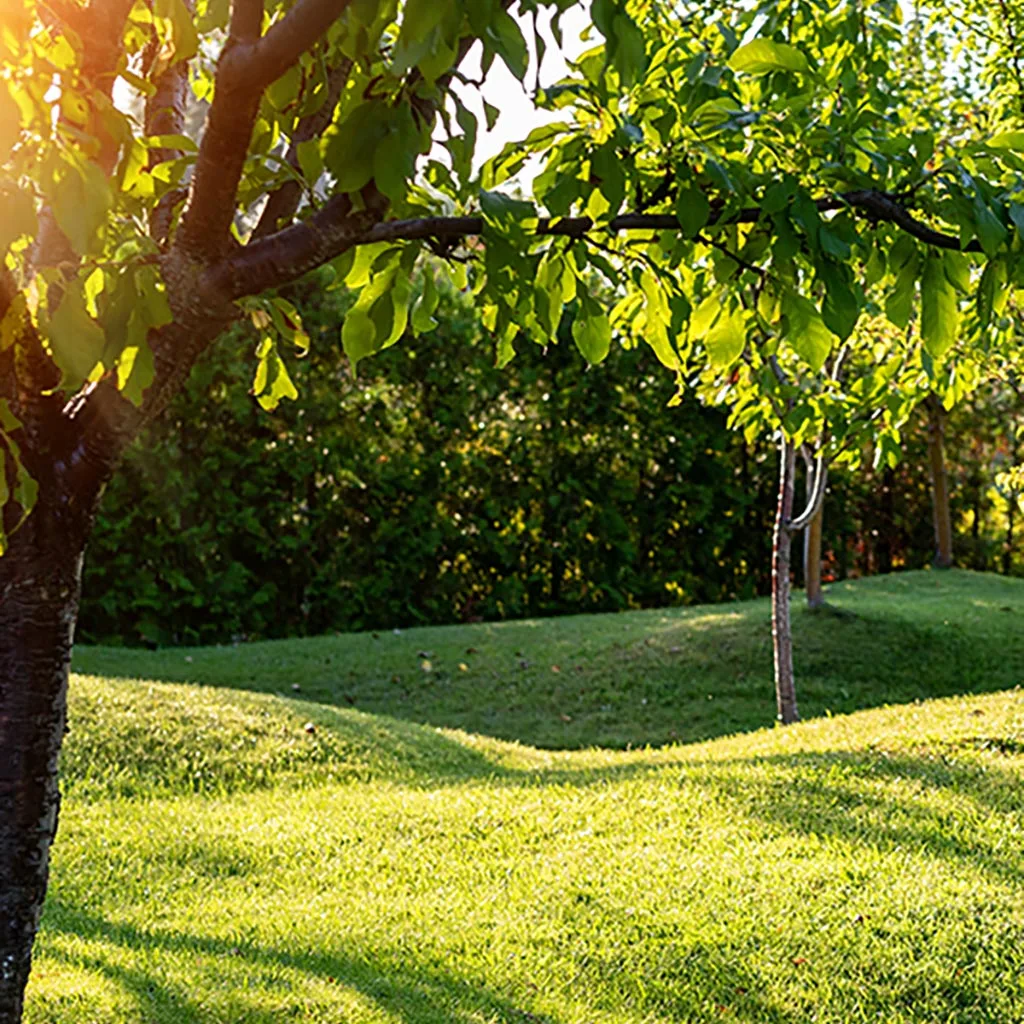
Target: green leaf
272, 382
991, 232
762, 56
939, 313
349, 163
899, 303
10, 122
135, 369
1007, 140
805, 330
706, 314
510, 216
76, 340
81, 199
607, 167
592, 333
992, 292
727, 339
423, 312
958, 270
394, 161
692, 211
505, 36
358, 336
841, 307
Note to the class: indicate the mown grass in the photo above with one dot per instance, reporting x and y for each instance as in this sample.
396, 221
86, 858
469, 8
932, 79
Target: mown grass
235, 856
636, 678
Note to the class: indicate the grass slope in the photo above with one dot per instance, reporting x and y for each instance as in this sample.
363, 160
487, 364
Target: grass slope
636, 678
233, 856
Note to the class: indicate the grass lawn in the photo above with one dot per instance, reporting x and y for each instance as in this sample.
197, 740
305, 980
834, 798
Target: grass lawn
450, 825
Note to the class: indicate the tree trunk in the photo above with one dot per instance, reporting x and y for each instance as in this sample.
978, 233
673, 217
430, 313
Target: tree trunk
812, 550
1011, 507
940, 484
39, 589
782, 543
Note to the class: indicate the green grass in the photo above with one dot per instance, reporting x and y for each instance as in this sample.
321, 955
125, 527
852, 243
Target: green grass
638, 678
448, 847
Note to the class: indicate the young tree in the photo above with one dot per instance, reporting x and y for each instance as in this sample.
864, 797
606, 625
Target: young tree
689, 168
813, 592
941, 516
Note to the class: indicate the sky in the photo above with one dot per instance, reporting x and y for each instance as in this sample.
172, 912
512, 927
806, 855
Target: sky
502, 90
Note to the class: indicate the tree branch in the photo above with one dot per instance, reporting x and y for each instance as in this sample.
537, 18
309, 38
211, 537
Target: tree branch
165, 115
876, 205
246, 21
282, 204
815, 498
298, 31
329, 232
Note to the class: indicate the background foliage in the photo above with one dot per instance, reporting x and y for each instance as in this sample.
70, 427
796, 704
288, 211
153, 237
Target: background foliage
435, 488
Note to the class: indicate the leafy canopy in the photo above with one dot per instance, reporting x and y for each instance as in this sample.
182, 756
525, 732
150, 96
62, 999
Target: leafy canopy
800, 207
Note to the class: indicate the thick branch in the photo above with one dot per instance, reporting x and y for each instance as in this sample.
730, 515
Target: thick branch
246, 20
877, 205
246, 67
282, 257
165, 115
298, 31
206, 223
288, 254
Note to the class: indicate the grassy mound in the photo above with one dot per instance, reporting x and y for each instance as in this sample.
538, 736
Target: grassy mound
218, 861
637, 678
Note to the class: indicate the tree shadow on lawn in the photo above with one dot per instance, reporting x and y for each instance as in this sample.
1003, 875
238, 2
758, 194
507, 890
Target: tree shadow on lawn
412, 990
930, 806
683, 679
847, 796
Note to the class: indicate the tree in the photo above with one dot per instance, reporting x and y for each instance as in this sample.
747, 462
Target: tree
689, 168
941, 516
812, 541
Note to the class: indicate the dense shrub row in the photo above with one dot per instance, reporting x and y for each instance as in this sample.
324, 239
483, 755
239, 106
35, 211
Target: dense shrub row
436, 488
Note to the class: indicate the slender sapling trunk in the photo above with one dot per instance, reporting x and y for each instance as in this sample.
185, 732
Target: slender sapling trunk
940, 484
812, 547
782, 544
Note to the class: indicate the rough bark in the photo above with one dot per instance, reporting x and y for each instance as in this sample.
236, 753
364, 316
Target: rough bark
782, 543
940, 485
1011, 508
39, 588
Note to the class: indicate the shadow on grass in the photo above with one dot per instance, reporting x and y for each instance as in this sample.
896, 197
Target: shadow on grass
412, 991
625, 681
934, 808
931, 808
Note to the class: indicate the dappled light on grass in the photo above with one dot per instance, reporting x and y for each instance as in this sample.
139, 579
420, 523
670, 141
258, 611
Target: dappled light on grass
635, 678
228, 855
840, 870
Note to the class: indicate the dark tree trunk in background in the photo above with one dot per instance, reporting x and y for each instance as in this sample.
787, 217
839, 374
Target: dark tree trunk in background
782, 544
39, 588
1011, 508
812, 550
1011, 502
940, 484
886, 523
